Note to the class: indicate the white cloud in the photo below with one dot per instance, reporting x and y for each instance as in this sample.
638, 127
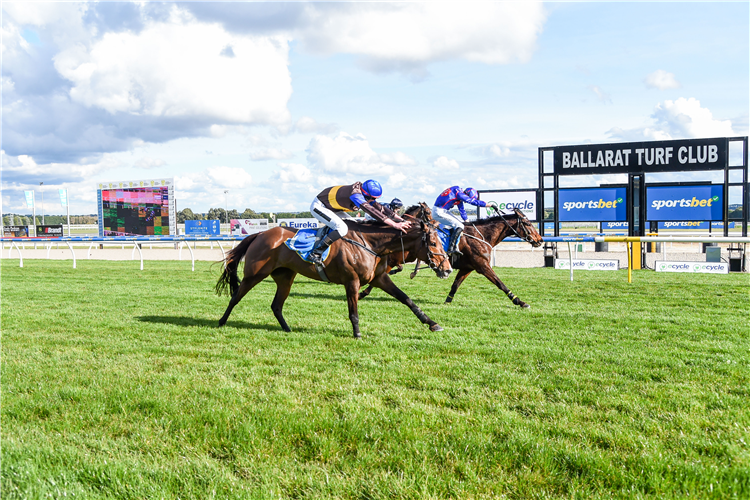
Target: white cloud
662, 80
24, 168
396, 180
686, 118
444, 163
292, 173
680, 119
270, 154
307, 125
398, 158
176, 69
347, 154
228, 177
149, 163
600, 94
408, 36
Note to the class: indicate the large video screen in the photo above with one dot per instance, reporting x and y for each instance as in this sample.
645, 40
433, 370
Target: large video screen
137, 208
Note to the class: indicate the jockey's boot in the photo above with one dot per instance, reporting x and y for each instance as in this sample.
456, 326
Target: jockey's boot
453, 245
317, 254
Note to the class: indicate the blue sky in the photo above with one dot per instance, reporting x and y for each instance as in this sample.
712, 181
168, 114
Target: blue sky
276, 101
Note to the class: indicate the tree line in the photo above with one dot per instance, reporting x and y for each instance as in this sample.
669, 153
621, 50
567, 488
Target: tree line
25, 220
225, 216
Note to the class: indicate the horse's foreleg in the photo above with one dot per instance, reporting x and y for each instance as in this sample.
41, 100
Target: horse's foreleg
384, 283
488, 273
352, 299
245, 286
415, 271
364, 293
460, 277
284, 279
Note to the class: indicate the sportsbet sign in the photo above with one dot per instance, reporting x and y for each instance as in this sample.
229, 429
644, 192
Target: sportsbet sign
685, 203
594, 204
663, 266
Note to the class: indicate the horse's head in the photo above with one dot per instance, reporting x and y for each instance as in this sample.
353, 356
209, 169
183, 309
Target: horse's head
526, 230
431, 249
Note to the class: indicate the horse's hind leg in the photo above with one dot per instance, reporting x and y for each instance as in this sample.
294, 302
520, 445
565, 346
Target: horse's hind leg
460, 277
488, 273
364, 293
284, 279
246, 285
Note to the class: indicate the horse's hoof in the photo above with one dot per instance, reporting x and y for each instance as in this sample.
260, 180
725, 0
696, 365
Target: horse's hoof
357, 336
525, 306
436, 328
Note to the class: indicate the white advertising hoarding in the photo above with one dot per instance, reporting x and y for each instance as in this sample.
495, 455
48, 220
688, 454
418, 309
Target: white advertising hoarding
247, 226
525, 201
663, 266
588, 264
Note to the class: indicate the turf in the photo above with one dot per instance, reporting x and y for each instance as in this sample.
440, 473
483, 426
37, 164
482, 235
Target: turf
116, 383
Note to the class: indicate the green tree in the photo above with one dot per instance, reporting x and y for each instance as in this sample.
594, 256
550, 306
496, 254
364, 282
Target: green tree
249, 213
217, 213
185, 214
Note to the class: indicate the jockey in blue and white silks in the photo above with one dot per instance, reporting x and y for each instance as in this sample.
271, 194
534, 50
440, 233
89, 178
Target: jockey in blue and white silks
455, 196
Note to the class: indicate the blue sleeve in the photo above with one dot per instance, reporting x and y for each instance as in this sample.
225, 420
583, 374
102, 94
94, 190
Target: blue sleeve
471, 201
462, 211
357, 199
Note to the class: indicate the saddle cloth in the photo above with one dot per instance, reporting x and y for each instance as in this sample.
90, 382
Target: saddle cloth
304, 241
444, 233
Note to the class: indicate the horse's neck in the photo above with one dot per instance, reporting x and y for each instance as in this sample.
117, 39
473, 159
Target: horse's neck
383, 243
494, 233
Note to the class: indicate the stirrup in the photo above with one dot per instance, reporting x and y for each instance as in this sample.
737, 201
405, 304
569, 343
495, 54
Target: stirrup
316, 258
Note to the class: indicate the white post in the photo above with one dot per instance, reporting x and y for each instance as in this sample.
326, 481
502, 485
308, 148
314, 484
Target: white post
67, 203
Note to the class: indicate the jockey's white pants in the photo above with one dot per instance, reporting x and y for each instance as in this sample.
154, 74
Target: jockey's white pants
328, 217
444, 216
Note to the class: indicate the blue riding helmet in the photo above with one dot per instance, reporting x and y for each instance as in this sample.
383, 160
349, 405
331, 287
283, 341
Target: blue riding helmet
395, 204
372, 189
471, 193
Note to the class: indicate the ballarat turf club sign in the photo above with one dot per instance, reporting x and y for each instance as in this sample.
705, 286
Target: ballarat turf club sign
652, 156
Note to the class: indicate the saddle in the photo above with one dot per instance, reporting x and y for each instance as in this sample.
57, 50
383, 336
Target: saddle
306, 240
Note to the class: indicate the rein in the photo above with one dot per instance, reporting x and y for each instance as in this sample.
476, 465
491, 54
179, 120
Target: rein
525, 238
360, 245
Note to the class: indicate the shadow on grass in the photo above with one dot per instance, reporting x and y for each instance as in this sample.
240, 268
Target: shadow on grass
209, 323
380, 296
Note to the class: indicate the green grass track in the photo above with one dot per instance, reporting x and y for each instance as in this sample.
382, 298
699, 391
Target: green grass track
116, 383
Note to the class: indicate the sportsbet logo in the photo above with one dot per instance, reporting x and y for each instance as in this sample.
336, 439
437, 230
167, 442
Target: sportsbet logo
570, 205
684, 203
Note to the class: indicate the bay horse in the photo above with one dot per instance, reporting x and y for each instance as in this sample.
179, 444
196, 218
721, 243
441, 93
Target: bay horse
358, 259
476, 245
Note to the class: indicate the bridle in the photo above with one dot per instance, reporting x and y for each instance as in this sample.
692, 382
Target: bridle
426, 242
427, 230
522, 222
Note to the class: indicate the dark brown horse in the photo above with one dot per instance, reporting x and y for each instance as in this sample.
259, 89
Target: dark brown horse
477, 242
360, 258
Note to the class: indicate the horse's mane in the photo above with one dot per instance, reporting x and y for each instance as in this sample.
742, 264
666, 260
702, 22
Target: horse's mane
494, 219
479, 222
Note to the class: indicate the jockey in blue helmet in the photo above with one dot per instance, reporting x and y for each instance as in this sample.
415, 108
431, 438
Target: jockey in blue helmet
455, 196
332, 203
395, 205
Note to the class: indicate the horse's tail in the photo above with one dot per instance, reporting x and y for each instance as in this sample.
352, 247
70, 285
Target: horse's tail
228, 281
